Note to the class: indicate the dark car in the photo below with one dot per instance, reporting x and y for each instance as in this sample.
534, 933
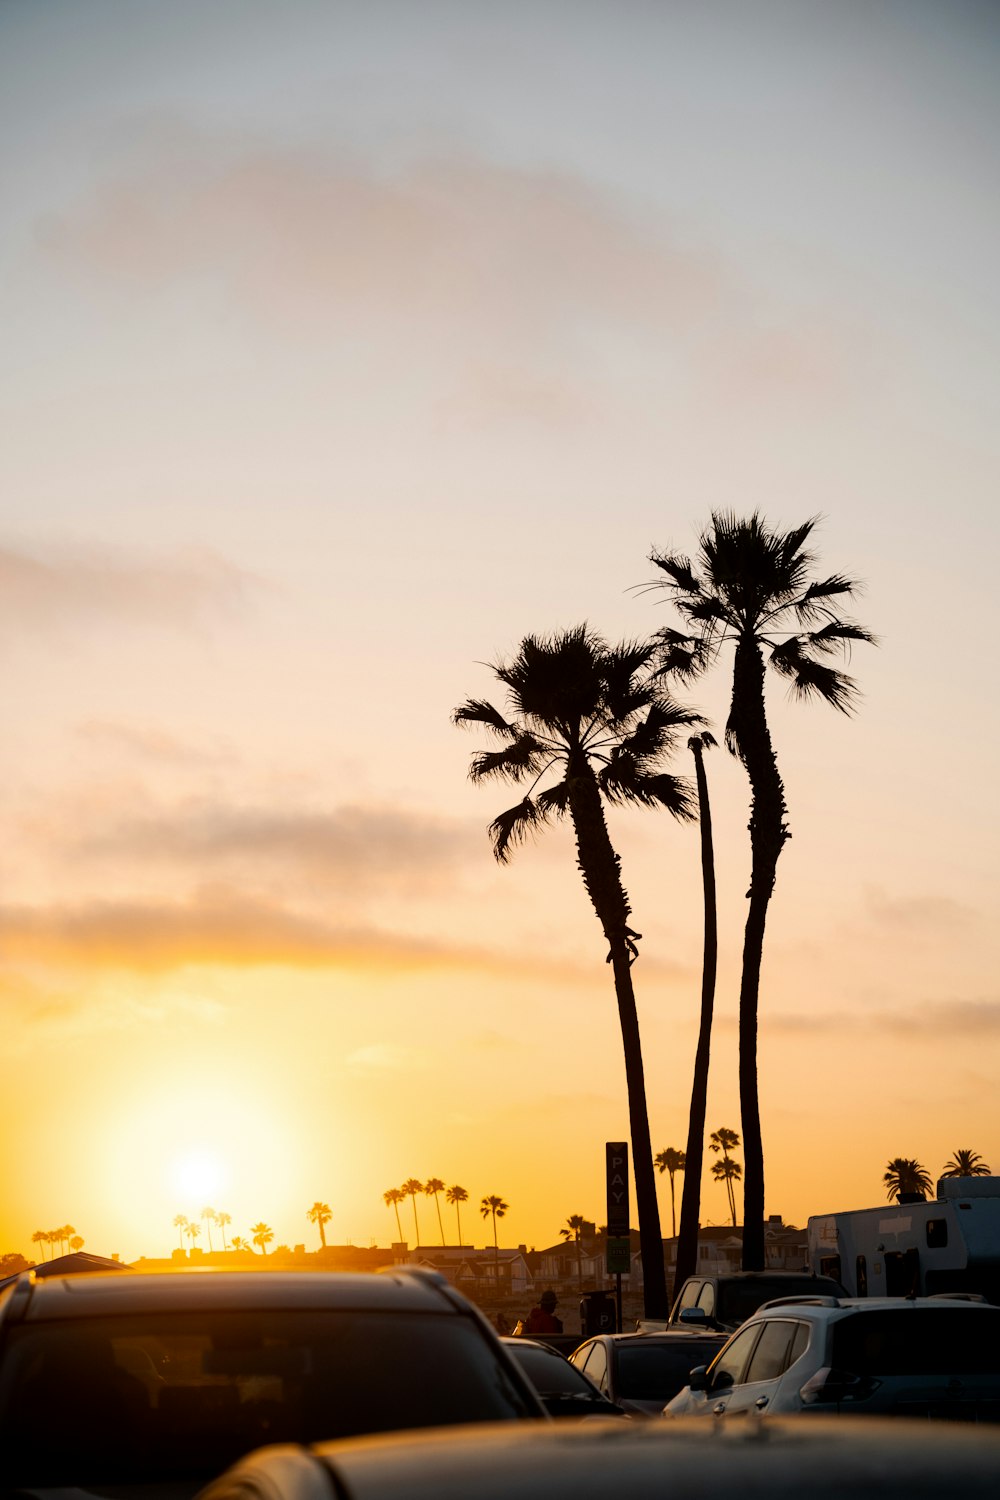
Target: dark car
642, 1371
725, 1301
131, 1380
828, 1459
565, 1390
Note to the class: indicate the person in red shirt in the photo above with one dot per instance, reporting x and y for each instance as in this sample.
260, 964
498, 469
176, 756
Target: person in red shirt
542, 1319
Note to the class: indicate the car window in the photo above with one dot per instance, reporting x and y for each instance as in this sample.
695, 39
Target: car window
706, 1299
184, 1395
739, 1300
772, 1352
728, 1366
689, 1295
549, 1372
655, 1372
918, 1341
596, 1367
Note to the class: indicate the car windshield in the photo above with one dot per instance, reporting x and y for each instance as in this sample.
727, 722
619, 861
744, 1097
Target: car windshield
918, 1341
552, 1375
739, 1300
182, 1396
655, 1372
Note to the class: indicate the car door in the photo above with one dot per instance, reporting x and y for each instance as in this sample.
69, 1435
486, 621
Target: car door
781, 1340
724, 1374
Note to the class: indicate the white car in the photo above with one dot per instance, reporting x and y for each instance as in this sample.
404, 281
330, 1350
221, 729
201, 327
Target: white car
922, 1357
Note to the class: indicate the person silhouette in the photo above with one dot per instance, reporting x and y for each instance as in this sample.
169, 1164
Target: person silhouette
542, 1319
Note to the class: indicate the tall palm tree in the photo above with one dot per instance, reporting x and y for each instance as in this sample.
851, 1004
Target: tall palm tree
574, 1231
753, 587
588, 713
673, 1162
725, 1140
66, 1233
222, 1219
192, 1229
728, 1171
209, 1216
965, 1164
432, 1187
263, 1234
687, 1245
411, 1187
393, 1197
320, 1214
180, 1224
494, 1205
905, 1175
40, 1237
457, 1195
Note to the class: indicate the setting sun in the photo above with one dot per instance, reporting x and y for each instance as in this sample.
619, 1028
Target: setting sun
199, 1174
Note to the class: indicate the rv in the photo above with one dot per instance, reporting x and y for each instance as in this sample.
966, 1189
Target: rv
915, 1247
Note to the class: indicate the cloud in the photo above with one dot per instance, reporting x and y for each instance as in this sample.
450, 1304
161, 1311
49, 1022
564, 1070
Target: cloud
33, 1015
148, 743
918, 915
930, 1019
56, 589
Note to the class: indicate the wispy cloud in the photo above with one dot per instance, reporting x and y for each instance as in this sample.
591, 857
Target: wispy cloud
919, 915
147, 742
933, 1019
32, 1015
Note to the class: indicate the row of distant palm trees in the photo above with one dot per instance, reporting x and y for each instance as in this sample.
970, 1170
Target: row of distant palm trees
904, 1174
65, 1237
261, 1234
433, 1188
726, 1170
599, 718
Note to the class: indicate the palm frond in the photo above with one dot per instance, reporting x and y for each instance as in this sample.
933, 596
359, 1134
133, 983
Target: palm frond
623, 783
524, 757
512, 827
678, 568
706, 740
478, 711
555, 799
810, 678
833, 587
658, 730
836, 635
678, 655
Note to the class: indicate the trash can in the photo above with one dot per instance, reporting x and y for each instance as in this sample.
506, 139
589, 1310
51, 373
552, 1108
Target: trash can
598, 1314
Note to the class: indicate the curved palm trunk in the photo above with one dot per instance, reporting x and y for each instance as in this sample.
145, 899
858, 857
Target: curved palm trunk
687, 1244
768, 832
601, 870
322, 1234
458, 1221
437, 1205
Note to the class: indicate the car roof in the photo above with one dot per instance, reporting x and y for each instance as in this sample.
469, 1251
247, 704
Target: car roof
99, 1294
671, 1336
836, 1307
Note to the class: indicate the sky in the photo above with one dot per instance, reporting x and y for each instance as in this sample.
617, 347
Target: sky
345, 345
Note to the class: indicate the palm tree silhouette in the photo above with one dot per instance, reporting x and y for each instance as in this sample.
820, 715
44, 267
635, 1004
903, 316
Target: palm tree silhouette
673, 1162
725, 1140
754, 586
263, 1234
432, 1187
180, 1224
687, 1244
77, 1242
588, 712
208, 1214
411, 1187
905, 1175
457, 1195
239, 1243
965, 1164
222, 1219
192, 1229
40, 1237
320, 1214
393, 1197
728, 1171
497, 1207
574, 1231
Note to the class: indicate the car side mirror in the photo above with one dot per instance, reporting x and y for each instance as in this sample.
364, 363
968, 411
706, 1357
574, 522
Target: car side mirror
694, 1317
698, 1378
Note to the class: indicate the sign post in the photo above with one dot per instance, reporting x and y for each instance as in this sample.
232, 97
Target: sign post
619, 1241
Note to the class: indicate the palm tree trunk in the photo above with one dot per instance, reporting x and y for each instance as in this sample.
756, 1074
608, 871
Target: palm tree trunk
416, 1224
687, 1244
600, 867
322, 1234
437, 1205
673, 1209
496, 1251
399, 1223
458, 1221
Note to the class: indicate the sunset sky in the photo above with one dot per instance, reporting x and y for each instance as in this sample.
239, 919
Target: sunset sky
345, 343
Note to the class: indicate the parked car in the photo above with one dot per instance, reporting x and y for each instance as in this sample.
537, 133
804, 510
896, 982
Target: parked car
133, 1379
565, 1390
926, 1357
829, 1459
725, 1301
641, 1371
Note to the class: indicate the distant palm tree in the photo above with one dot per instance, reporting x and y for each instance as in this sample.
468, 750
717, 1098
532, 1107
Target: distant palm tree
40, 1237
497, 1207
432, 1187
239, 1243
905, 1175
192, 1229
320, 1214
671, 1161
66, 1233
77, 1242
222, 1219
393, 1197
588, 713
263, 1234
180, 1224
574, 1231
725, 1140
965, 1164
728, 1171
752, 587
208, 1214
457, 1195
411, 1187
686, 1263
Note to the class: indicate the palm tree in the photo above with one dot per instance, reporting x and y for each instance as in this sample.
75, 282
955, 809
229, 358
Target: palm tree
192, 1229
180, 1224
589, 713
457, 1195
728, 1171
687, 1245
77, 1242
65, 1234
393, 1197
411, 1187
754, 587
209, 1216
965, 1164
671, 1161
905, 1175
263, 1234
574, 1231
725, 1140
320, 1214
40, 1237
239, 1243
497, 1207
432, 1187
222, 1219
